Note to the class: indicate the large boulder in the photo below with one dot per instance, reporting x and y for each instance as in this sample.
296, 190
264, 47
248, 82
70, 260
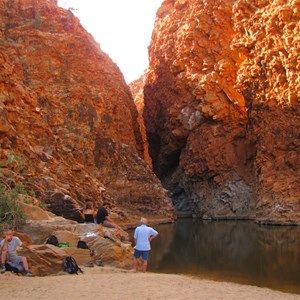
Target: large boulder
46, 260
112, 251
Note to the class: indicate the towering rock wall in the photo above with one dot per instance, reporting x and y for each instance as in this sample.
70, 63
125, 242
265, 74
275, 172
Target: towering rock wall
195, 118
267, 36
68, 113
221, 107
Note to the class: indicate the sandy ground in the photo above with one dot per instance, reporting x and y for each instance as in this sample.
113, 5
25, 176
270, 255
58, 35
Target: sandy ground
110, 283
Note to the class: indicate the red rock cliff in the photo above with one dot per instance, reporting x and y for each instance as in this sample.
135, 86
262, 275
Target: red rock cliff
67, 111
268, 39
222, 107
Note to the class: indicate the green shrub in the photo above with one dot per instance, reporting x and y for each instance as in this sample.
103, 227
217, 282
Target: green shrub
11, 212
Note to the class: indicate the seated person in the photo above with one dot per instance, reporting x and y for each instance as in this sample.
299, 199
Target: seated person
88, 213
9, 255
103, 218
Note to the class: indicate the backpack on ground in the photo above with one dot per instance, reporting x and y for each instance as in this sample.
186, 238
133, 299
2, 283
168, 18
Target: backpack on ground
16, 268
82, 245
52, 240
70, 265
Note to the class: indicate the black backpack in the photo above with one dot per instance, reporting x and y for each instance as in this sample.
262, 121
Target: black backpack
70, 265
52, 240
82, 245
14, 268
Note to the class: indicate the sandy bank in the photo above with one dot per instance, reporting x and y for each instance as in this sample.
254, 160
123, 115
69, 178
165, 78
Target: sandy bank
110, 283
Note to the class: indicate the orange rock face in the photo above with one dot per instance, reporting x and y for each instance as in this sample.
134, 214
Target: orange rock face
68, 113
268, 36
221, 108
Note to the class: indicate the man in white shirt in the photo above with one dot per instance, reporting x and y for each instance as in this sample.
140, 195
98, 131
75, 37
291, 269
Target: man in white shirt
143, 235
9, 255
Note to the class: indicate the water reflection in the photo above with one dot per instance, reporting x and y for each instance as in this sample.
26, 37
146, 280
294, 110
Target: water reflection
230, 251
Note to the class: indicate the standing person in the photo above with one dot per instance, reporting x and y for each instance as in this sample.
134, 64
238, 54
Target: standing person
143, 235
9, 252
103, 218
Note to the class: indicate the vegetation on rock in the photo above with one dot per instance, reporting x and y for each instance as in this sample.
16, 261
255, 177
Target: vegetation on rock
11, 212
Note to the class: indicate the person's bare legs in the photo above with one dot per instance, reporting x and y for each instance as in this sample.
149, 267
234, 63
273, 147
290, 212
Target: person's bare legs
109, 224
135, 264
3, 259
25, 263
145, 264
113, 225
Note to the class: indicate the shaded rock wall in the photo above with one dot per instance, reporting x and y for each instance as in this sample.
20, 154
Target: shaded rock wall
68, 113
206, 117
136, 88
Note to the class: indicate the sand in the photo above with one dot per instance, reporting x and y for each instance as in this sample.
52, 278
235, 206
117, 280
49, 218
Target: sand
110, 283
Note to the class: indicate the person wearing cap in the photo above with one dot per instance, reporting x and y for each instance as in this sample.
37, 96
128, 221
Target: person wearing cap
143, 235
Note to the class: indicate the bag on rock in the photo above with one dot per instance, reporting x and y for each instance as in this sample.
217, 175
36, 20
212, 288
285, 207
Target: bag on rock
63, 245
70, 265
52, 240
82, 245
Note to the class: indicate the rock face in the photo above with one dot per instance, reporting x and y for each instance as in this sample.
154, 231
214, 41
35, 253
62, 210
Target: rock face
66, 110
269, 80
46, 260
136, 88
221, 108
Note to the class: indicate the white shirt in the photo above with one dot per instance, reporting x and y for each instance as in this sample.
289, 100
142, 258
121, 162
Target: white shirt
142, 235
12, 246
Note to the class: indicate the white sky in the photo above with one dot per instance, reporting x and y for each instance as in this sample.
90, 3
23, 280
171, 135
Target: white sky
123, 29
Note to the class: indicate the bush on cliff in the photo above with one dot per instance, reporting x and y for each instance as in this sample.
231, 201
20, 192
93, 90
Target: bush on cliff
11, 212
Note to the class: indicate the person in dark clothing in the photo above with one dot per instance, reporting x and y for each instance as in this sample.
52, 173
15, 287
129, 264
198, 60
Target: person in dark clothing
103, 218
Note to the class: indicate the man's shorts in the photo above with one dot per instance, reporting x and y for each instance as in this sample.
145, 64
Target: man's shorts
15, 260
143, 254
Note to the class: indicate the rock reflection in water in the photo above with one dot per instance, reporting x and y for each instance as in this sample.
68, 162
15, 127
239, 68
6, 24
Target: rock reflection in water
230, 251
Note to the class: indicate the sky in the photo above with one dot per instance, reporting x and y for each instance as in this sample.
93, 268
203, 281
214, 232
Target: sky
123, 29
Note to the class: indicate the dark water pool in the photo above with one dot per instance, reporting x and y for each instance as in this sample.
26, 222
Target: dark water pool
236, 251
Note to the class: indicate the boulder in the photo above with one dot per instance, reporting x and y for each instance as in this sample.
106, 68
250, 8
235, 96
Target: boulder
46, 260
33, 212
112, 251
